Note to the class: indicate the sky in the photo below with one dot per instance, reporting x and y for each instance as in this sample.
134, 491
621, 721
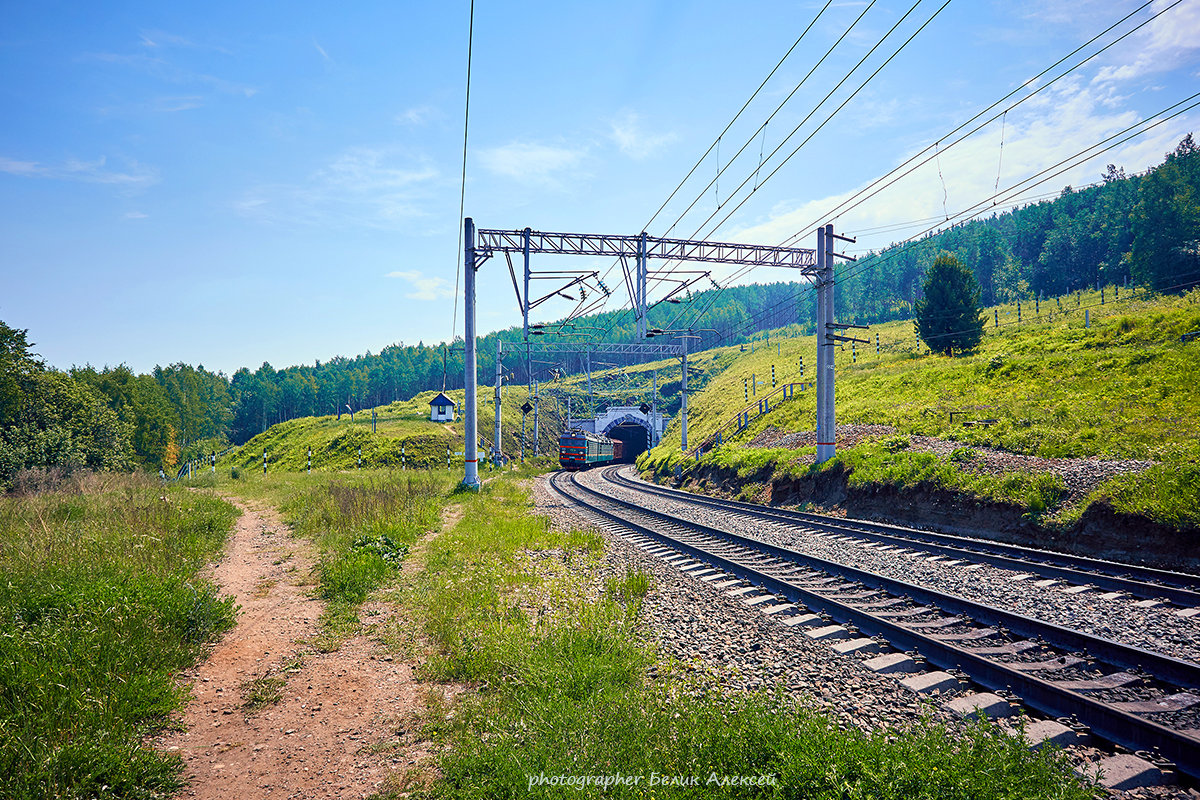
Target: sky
228, 184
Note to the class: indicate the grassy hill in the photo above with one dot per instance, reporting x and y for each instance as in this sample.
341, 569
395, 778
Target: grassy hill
405, 424
1124, 388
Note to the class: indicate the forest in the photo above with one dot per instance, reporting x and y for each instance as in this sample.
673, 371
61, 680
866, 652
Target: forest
1141, 230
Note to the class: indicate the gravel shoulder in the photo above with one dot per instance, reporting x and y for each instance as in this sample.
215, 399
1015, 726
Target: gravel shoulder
713, 641
1159, 629
703, 635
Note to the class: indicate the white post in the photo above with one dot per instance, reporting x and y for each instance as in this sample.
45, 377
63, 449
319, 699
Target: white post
654, 409
497, 459
470, 436
683, 395
536, 402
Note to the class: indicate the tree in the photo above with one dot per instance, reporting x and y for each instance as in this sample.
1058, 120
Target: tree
948, 314
1167, 222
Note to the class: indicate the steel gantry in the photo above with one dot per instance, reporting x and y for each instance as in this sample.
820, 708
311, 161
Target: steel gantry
482, 244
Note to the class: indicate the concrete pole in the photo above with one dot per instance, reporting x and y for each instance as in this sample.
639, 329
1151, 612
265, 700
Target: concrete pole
497, 459
640, 289
826, 425
654, 408
536, 403
471, 425
683, 392
589, 374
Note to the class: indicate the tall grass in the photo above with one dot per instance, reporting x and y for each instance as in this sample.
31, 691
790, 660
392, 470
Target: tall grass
364, 526
99, 607
513, 607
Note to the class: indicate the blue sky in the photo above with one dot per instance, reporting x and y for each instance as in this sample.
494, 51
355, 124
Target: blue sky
233, 183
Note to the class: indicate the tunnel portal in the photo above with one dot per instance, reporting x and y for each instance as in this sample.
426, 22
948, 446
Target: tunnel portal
633, 435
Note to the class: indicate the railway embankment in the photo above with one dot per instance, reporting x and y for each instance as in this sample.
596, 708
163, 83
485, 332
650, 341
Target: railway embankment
1122, 510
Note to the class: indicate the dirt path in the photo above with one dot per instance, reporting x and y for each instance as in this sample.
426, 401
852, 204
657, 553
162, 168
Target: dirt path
336, 729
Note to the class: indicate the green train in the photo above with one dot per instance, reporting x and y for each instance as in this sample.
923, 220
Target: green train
579, 449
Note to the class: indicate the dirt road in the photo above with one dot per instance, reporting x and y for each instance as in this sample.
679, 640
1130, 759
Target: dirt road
336, 728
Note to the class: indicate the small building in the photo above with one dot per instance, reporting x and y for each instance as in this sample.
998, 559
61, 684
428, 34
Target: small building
441, 409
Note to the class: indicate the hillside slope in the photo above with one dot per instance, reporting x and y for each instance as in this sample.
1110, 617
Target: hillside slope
1115, 400
403, 434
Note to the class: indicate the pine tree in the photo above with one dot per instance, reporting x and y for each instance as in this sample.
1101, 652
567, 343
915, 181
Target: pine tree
948, 315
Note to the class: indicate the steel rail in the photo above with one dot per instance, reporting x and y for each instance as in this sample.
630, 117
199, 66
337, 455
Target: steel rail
1178, 587
1122, 728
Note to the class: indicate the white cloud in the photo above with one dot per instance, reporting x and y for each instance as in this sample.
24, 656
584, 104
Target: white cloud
417, 115
528, 162
633, 141
324, 56
135, 215
425, 288
361, 186
1169, 42
134, 176
153, 59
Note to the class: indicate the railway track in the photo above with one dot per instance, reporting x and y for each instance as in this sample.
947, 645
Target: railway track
1074, 679
1148, 583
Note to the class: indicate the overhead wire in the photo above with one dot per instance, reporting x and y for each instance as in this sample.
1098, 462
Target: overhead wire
462, 196
813, 111
887, 179
821, 126
842, 207
716, 142
1070, 162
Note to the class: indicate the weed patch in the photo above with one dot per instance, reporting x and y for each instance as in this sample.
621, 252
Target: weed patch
364, 527
100, 607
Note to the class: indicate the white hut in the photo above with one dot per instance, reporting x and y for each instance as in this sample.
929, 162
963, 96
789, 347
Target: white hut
441, 409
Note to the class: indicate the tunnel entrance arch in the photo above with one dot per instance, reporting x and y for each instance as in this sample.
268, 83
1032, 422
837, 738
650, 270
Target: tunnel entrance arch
634, 432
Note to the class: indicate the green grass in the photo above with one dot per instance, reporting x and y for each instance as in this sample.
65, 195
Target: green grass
557, 654
258, 693
404, 435
1165, 492
363, 525
1123, 388
100, 607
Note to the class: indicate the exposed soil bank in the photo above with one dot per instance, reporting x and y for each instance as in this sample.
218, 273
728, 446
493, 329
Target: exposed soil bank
1100, 533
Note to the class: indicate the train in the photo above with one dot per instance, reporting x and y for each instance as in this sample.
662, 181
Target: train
580, 449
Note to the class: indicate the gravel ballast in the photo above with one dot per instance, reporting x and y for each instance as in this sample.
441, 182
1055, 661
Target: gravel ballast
719, 642
1160, 629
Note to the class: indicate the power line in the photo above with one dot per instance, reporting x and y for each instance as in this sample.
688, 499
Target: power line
736, 116
831, 115
966, 214
462, 196
778, 108
887, 179
821, 126
841, 208
813, 111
